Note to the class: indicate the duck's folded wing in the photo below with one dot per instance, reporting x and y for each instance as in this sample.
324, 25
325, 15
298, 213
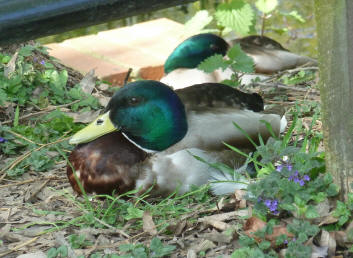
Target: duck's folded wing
209, 129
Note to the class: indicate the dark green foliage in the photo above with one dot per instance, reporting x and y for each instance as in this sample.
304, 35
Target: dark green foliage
27, 81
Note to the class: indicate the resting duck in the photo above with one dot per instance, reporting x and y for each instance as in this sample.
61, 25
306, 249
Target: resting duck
269, 57
149, 133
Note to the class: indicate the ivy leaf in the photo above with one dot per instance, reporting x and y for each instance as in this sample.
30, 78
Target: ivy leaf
266, 6
241, 61
236, 15
199, 21
212, 63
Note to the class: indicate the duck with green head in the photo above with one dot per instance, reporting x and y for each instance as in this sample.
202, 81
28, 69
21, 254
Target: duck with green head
148, 132
269, 57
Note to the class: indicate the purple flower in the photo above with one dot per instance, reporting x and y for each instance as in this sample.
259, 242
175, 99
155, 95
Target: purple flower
285, 241
306, 178
272, 205
2, 140
279, 168
296, 178
267, 203
42, 62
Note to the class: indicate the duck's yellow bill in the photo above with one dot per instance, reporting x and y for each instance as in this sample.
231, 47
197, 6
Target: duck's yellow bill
101, 126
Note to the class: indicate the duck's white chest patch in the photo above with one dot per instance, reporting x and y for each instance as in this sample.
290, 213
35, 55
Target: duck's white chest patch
179, 170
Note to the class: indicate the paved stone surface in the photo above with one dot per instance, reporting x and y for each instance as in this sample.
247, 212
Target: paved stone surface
144, 47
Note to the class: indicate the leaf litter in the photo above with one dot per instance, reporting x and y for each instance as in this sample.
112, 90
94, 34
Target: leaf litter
39, 211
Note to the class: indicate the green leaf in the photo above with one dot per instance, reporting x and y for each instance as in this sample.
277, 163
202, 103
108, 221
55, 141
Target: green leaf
294, 14
160, 250
241, 61
134, 213
264, 245
266, 6
199, 21
311, 212
17, 115
52, 253
213, 63
236, 15
3, 97
26, 50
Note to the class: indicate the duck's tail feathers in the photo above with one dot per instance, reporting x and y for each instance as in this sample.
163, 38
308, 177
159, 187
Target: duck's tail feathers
283, 124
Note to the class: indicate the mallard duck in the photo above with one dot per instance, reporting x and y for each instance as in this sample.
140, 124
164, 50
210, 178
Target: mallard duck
149, 133
269, 57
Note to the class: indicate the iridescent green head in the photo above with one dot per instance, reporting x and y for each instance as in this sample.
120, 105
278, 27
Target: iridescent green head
191, 52
149, 113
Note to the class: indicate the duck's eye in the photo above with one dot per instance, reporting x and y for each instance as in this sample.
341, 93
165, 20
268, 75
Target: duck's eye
134, 101
99, 121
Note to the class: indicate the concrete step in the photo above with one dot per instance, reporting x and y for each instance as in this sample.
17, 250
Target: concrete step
144, 47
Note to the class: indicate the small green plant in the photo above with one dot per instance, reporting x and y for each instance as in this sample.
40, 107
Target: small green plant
29, 81
78, 241
59, 252
238, 61
156, 249
343, 210
291, 182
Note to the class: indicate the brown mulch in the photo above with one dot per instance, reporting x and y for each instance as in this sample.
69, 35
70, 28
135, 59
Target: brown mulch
24, 199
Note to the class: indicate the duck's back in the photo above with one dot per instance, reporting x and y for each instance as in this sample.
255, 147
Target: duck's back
211, 110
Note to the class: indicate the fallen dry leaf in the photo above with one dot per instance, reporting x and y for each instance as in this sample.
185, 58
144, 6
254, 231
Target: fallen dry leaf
342, 239
84, 117
240, 201
148, 224
11, 66
178, 227
327, 240
319, 251
328, 220
88, 82
204, 246
215, 236
254, 224
216, 220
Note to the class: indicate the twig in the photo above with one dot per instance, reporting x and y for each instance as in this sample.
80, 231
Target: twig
111, 227
283, 86
127, 76
19, 246
41, 112
22, 157
18, 183
24, 138
304, 67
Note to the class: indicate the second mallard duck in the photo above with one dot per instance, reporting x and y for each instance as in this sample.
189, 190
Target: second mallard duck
269, 57
149, 134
